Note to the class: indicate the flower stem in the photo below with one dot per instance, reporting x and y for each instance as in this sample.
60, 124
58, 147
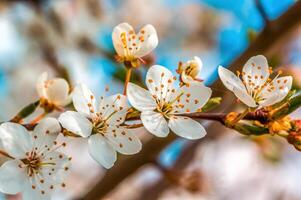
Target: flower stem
6, 154
38, 118
127, 78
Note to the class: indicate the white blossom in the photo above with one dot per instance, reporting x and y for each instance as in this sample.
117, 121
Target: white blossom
190, 70
101, 123
53, 92
256, 88
163, 104
37, 168
131, 46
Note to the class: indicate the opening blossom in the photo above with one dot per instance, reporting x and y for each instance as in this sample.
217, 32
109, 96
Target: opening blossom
37, 168
190, 70
131, 47
256, 88
54, 93
163, 104
101, 124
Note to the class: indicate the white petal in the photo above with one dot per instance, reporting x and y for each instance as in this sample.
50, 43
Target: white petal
84, 100
57, 173
186, 127
116, 37
123, 140
76, 123
199, 62
159, 81
45, 133
114, 109
155, 123
57, 91
41, 84
12, 177
16, 140
256, 70
229, 79
34, 194
149, 42
276, 91
192, 98
101, 151
186, 79
243, 96
140, 98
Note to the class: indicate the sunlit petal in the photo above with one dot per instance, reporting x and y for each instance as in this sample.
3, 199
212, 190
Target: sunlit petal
101, 151
155, 123
76, 123
186, 127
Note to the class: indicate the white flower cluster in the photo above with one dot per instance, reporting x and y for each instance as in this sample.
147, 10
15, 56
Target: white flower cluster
36, 168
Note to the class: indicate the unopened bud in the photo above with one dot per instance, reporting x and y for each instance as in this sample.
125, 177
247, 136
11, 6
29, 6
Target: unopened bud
283, 124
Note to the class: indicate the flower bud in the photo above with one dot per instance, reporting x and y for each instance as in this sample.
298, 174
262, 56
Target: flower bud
294, 138
283, 124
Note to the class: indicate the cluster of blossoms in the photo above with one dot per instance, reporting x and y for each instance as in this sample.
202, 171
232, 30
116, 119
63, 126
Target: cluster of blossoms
36, 168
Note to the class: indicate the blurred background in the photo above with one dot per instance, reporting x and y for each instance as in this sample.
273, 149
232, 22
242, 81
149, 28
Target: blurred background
72, 39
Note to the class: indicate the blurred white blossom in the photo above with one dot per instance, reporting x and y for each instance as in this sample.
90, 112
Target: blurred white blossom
54, 91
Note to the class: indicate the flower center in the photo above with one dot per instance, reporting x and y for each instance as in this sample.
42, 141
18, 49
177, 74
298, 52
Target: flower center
99, 126
32, 163
165, 109
255, 85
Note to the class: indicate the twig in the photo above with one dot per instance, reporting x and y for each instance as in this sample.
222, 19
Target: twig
262, 11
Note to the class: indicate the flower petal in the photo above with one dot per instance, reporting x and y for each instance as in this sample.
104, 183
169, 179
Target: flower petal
186, 127
276, 91
243, 96
41, 85
12, 177
159, 81
229, 79
15, 139
76, 123
58, 172
191, 98
34, 194
123, 141
101, 151
45, 133
57, 91
84, 101
255, 72
114, 109
117, 39
140, 98
148, 40
155, 123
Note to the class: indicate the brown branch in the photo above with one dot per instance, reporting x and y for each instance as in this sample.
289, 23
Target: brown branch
263, 44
